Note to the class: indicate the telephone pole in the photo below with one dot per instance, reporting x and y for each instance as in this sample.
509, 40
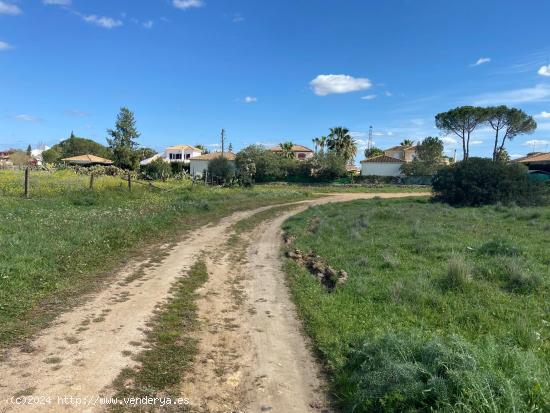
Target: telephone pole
223, 141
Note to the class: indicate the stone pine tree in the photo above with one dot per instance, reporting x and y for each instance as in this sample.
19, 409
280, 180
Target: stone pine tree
123, 140
29, 150
507, 124
461, 121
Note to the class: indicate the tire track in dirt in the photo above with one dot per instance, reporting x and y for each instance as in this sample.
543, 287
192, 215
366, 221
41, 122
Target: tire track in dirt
252, 356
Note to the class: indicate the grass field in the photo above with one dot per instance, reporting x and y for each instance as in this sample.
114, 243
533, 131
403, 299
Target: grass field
445, 308
64, 239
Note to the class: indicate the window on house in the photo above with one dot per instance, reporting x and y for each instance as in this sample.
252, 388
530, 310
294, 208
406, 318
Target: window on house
301, 156
187, 156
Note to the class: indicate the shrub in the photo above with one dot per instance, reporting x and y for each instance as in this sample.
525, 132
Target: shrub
221, 168
459, 274
157, 169
480, 181
500, 247
405, 373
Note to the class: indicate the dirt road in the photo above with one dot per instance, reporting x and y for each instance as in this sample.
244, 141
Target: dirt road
252, 356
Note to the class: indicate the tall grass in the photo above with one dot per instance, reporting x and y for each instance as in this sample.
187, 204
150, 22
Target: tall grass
394, 340
61, 243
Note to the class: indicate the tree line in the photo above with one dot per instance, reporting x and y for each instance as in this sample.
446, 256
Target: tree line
506, 122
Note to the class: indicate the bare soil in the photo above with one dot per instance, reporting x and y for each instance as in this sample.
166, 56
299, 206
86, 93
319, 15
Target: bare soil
252, 354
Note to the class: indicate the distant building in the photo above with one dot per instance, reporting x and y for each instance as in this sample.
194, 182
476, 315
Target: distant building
199, 164
36, 154
405, 153
300, 152
381, 165
173, 154
87, 160
536, 161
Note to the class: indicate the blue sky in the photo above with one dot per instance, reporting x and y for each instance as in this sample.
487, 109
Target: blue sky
268, 71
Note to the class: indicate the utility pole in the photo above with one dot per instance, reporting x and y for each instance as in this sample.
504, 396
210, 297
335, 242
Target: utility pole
369, 145
223, 141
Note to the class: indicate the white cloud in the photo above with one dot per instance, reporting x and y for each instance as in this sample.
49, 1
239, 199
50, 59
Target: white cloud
27, 118
105, 22
544, 70
148, 24
187, 4
481, 61
537, 93
5, 46
324, 85
57, 2
543, 115
238, 18
447, 140
516, 156
8, 8
368, 97
388, 93
250, 99
536, 142
476, 142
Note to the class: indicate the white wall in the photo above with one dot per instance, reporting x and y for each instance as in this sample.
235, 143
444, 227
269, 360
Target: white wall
381, 169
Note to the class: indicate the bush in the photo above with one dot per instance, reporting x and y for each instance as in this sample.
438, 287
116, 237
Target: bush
480, 181
262, 165
221, 168
405, 373
518, 279
500, 247
158, 169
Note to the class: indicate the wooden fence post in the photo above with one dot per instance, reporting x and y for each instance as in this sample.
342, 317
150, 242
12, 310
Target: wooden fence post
27, 176
129, 182
92, 181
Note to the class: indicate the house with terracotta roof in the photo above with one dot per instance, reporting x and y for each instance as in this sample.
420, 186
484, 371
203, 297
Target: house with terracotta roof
405, 153
300, 151
382, 165
536, 161
87, 160
175, 154
199, 164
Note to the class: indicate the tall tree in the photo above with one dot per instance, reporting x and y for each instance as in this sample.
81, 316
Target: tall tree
407, 142
322, 143
286, 148
430, 151
230, 147
29, 150
316, 143
461, 121
508, 123
342, 143
123, 140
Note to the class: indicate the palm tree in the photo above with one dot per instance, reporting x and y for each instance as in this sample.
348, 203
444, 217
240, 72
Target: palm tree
322, 143
287, 149
340, 141
407, 142
316, 143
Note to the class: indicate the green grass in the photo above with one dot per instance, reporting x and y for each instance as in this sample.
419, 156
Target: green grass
361, 188
171, 345
445, 308
65, 240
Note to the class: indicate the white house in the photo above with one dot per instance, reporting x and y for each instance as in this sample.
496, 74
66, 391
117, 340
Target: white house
406, 153
382, 165
178, 153
300, 152
199, 164
181, 153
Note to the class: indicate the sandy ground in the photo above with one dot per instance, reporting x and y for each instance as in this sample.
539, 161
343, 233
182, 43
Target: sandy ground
252, 356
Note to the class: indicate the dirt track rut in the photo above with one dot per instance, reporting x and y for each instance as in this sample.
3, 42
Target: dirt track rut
252, 356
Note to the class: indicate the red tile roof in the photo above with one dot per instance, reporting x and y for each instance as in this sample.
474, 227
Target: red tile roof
295, 148
213, 155
382, 159
534, 158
